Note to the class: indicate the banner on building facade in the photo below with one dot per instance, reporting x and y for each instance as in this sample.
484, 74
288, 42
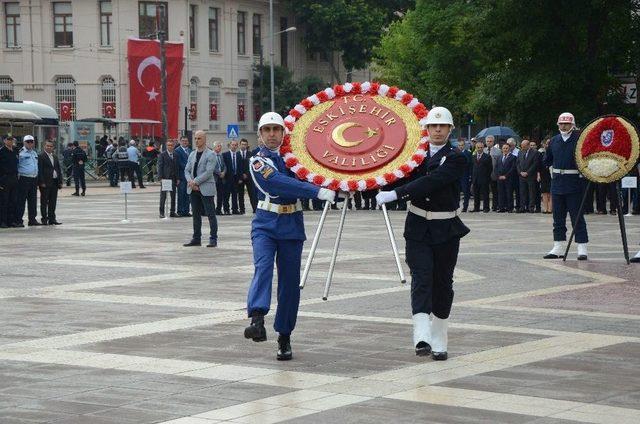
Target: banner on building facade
109, 109
145, 85
213, 112
65, 110
193, 112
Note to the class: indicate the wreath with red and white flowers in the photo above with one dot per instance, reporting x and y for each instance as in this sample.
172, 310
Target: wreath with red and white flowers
351, 88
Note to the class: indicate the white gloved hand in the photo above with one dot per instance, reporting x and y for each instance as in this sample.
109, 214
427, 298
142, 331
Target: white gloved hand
326, 194
386, 197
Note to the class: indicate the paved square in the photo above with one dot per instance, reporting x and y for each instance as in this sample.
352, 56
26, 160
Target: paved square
105, 322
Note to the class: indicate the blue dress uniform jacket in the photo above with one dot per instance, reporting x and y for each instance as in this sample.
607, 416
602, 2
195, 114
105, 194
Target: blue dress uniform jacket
561, 155
434, 186
277, 237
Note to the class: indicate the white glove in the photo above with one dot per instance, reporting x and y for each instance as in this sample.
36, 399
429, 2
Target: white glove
326, 194
386, 197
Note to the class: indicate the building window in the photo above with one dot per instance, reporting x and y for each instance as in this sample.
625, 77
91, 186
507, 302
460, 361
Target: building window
311, 56
12, 25
6, 89
284, 43
62, 24
193, 17
193, 100
213, 29
65, 92
108, 94
153, 16
257, 34
106, 19
214, 104
243, 105
242, 19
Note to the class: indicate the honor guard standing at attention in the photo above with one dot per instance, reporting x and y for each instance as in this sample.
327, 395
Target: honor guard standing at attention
567, 188
277, 233
432, 232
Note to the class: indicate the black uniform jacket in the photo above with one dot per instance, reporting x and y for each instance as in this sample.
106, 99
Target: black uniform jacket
435, 186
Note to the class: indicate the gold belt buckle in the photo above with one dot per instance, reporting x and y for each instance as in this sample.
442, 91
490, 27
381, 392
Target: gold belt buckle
286, 208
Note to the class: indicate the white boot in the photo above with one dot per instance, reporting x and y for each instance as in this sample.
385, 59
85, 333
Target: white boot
439, 338
636, 258
422, 333
582, 251
557, 252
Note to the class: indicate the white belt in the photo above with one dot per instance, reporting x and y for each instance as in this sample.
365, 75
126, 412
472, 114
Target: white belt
28, 176
279, 209
429, 215
566, 171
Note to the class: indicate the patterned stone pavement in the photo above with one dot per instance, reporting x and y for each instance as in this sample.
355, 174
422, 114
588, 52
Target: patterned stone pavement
105, 322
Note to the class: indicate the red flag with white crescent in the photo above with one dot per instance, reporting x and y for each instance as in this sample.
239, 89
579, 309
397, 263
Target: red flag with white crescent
193, 111
65, 110
109, 109
241, 113
145, 86
213, 112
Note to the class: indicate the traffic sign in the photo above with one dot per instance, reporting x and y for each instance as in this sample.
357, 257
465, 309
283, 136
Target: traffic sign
233, 131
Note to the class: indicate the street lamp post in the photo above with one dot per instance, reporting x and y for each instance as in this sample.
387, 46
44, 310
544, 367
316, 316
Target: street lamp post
272, 54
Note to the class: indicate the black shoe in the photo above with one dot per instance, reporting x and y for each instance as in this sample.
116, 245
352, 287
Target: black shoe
193, 243
582, 257
55, 223
256, 331
143, 186
235, 213
218, 212
186, 215
76, 194
439, 356
173, 215
4, 226
635, 260
44, 222
552, 256
212, 243
423, 349
17, 225
82, 194
34, 224
284, 348
161, 215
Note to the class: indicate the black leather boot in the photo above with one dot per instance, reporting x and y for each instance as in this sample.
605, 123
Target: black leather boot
284, 348
256, 330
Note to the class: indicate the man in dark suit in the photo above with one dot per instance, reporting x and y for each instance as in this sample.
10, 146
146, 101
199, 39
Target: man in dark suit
8, 183
49, 181
233, 163
527, 166
433, 231
481, 178
247, 182
168, 170
219, 176
505, 168
182, 153
465, 180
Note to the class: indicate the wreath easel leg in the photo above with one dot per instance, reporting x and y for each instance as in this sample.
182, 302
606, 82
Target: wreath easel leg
392, 238
314, 244
334, 255
623, 230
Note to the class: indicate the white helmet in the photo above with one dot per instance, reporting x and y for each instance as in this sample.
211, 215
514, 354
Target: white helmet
270, 118
440, 115
566, 118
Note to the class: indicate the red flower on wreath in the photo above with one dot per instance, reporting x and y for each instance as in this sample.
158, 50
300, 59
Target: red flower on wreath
609, 135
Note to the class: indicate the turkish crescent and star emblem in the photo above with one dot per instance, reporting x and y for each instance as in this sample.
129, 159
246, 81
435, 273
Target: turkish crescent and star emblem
144, 64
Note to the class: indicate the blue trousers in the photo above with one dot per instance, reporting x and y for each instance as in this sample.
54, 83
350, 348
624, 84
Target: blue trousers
288, 256
183, 197
563, 203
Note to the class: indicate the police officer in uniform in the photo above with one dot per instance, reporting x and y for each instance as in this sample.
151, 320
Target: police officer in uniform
277, 233
566, 188
432, 232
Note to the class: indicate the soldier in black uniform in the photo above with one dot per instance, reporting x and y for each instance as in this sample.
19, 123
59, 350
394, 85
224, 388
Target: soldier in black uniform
8, 183
432, 232
79, 159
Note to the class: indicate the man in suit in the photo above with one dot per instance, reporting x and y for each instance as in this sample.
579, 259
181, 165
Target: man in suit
432, 233
233, 163
465, 180
247, 182
168, 170
183, 153
527, 166
8, 183
220, 177
494, 151
505, 168
199, 174
481, 178
79, 160
50, 181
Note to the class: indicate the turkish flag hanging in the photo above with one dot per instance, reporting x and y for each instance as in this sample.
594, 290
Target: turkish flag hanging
193, 112
241, 112
256, 112
65, 110
213, 112
145, 86
109, 109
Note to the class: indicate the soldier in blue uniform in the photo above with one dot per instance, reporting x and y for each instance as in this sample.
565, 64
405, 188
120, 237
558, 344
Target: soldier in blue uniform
567, 188
432, 233
277, 234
